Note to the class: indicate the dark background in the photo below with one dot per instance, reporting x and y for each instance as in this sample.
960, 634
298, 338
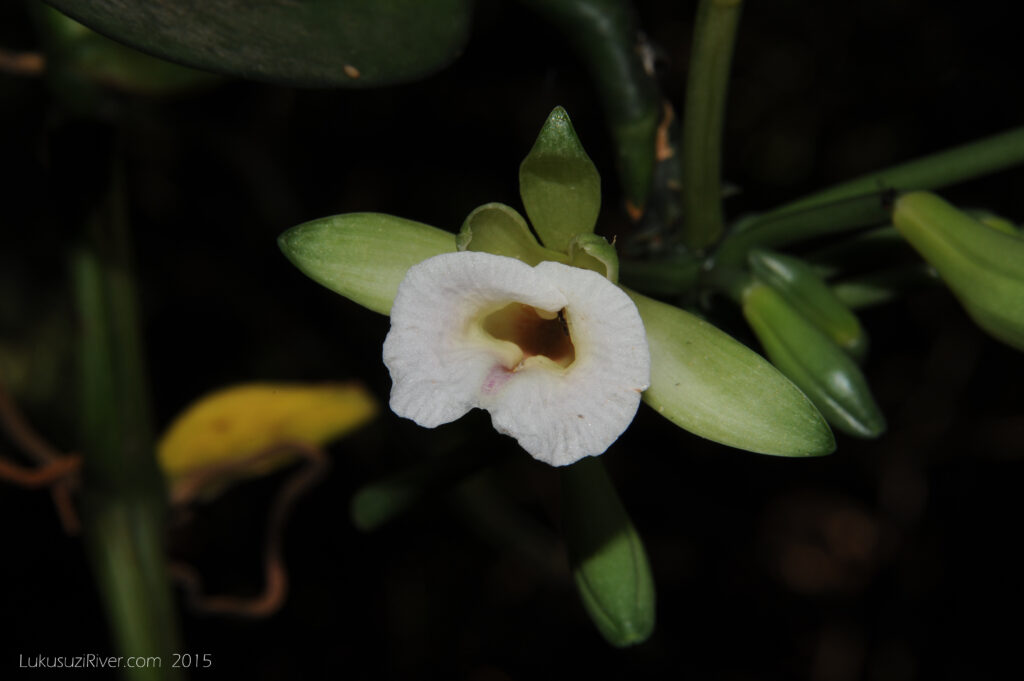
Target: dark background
889, 560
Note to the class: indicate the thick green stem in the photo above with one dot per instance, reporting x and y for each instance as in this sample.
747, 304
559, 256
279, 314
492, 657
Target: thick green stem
713, 38
812, 221
604, 34
123, 497
861, 202
958, 164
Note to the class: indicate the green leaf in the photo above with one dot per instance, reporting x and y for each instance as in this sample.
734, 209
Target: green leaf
982, 266
320, 43
363, 256
559, 184
501, 230
797, 282
608, 561
77, 55
813, 362
710, 384
593, 252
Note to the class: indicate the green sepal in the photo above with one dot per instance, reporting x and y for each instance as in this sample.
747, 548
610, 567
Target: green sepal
705, 381
606, 555
363, 256
799, 284
559, 184
501, 230
593, 252
826, 374
982, 266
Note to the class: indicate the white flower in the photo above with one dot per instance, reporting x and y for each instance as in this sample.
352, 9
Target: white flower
558, 355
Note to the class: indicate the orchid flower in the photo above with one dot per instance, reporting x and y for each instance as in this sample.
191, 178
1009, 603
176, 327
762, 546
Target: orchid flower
556, 354
539, 333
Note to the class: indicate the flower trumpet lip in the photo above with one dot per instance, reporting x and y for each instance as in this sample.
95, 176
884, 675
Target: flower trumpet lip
558, 355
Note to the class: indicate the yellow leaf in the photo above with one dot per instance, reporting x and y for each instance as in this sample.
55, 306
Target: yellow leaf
233, 427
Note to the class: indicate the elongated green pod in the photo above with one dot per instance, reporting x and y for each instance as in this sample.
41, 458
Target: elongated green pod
983, 267
797, 282
826, 374
363, 256
607, 558
712, 385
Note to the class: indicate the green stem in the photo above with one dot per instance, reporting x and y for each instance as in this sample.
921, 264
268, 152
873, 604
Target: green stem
605, 35
813, 221
713, 38
861, 202
958, 164
729, 281
123, 497
670, 276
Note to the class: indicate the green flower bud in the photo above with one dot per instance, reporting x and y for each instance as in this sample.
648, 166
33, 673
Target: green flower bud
827, 375
983, 267
797, 282
559, 184
607, 558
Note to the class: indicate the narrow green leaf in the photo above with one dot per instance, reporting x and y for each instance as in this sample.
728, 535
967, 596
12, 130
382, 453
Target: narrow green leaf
320, 43
606, 555
559, 184
827, 375
713, 386
982, 266
501, 230
363, 256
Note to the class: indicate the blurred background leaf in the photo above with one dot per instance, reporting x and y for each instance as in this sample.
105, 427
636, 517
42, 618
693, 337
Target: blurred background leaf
325, 43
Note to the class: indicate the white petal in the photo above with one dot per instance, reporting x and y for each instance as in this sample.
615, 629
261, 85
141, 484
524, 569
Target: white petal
442, 365
437, 367
561, 417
